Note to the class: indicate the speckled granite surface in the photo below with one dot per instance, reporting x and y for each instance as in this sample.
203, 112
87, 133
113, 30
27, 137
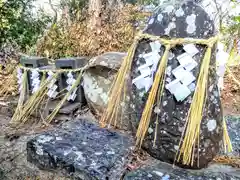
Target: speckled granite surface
81, 148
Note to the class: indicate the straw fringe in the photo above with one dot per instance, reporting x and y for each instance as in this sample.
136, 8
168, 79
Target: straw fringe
192, 127
226, 139
117, 94
157, 84
60, 104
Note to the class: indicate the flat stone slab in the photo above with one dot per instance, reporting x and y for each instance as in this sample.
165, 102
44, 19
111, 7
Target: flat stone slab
82, 149
164, 171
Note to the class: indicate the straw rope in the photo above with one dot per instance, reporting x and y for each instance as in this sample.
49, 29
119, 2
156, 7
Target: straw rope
53, 70
190, 136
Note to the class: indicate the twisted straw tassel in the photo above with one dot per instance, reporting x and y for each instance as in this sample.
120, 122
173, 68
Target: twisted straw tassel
147, 112
21, 99
192, 126
118, 87
60, 104
32, 103
226, 139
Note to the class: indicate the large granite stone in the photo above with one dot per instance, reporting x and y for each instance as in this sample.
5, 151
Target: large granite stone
164, 171
98, 78
97, 82
82, 149
178, 20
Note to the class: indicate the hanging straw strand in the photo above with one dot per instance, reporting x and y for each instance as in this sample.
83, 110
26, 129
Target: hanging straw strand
60, 104
192, 130
147, 112
118, 88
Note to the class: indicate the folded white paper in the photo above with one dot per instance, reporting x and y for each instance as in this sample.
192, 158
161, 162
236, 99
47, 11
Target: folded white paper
148, 83
172, 86
152, 57
54, 87
155, 46
191, 65
178, 72
191, 49
187, 78
72, 97
52, 94
139, 81
146, 71
182, 92
185, 59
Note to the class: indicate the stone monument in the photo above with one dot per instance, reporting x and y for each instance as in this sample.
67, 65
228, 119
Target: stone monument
177, 20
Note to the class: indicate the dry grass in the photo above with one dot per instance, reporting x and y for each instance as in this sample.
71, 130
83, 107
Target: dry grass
77, 40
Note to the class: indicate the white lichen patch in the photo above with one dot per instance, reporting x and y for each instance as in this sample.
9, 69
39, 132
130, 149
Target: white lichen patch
211, 125
171, 26
93, 91
98, 153
67, 151
110, 152
80, 156
39, 150
104, 97
59, 138
150, 130
44, 139
160, 17
151, 21
210, 88
191, 20
157, 110
176, 147
179, 12
149, 175
158, 173
103, 63
164, 103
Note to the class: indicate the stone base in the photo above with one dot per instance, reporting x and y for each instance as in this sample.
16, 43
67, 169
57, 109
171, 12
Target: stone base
164, 171
82, 149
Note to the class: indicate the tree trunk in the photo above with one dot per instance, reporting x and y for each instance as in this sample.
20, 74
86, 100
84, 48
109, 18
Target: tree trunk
99, 7
95, 8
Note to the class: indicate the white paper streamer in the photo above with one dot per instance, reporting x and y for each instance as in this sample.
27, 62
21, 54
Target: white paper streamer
70, 81
145, 80
52, 92
35, 80
20, 79
184, 84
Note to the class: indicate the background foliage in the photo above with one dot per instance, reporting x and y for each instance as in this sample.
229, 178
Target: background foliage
19, 25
